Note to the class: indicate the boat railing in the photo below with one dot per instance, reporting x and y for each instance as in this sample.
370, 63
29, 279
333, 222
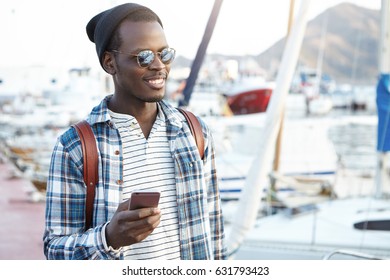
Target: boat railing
351, 254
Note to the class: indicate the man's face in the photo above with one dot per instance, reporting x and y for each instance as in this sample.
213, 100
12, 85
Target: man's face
141, 84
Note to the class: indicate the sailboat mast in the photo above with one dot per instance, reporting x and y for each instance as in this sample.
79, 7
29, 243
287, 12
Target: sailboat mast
384, 51
197, 63
383, 98
251, 194
280, 133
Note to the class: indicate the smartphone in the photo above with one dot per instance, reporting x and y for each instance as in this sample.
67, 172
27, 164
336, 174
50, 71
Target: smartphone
142, 199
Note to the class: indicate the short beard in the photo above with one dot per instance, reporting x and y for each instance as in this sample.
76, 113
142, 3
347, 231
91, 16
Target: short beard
155, 99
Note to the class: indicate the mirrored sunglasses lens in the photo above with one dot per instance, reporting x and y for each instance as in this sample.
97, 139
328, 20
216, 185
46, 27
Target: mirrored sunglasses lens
167, 55
145, 58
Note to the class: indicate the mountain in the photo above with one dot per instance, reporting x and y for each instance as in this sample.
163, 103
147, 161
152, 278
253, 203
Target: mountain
348, 36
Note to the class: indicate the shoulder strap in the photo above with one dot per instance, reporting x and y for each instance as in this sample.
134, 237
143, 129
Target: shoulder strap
196, 129
90, 165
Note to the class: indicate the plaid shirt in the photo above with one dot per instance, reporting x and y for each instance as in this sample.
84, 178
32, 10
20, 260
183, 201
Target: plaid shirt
199, 207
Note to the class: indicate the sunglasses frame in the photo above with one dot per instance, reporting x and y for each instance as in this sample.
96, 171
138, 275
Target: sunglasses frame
155, 54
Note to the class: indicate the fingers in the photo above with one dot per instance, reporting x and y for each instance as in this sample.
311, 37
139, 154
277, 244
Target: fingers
142, 228
132, 232
131, 226
143, 213
144, 223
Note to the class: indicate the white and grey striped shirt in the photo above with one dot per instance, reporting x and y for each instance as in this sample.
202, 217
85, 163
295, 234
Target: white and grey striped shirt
148, 166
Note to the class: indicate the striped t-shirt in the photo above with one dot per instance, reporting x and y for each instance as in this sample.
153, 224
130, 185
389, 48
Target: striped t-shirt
148, 166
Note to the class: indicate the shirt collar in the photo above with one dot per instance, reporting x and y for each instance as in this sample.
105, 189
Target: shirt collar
166, 112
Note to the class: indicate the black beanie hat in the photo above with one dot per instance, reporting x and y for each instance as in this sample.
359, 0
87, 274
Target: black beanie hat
101, 27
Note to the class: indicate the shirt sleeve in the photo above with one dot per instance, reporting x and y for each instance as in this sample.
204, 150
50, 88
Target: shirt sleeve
106, 247
214, 201
64, 235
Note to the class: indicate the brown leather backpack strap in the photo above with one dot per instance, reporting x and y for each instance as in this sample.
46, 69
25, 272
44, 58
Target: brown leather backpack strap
90, 166
196, 129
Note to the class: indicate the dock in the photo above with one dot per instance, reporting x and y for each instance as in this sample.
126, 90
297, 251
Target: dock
22, 216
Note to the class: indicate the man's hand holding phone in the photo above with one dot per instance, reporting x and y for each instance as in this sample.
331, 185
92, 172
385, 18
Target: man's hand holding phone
134, 219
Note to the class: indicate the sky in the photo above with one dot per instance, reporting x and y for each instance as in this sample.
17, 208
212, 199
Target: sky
52, 32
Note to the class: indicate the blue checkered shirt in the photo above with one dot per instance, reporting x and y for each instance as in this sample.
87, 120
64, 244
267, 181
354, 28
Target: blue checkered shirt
198, 200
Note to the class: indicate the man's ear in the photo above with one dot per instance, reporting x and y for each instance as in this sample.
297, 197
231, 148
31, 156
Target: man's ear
109, 63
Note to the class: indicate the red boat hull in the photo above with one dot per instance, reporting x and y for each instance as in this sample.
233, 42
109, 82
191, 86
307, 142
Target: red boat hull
249, 102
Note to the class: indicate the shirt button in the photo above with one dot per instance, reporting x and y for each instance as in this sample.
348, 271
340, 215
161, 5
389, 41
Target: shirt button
117, 152
119, 182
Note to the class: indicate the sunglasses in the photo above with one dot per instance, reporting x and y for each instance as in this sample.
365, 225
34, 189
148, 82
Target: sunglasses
146, 57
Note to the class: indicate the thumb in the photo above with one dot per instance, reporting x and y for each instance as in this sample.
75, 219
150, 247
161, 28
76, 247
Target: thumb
124, 206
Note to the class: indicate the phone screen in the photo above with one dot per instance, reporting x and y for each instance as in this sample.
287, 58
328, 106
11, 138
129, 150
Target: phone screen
144, 200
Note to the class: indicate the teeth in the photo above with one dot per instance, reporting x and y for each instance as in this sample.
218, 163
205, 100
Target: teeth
155, 82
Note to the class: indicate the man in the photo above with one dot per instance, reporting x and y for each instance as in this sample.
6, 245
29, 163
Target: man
144, 144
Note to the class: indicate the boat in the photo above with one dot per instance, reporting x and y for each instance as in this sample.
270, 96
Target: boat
316, 85
354, 98
319, 230
320, 104
317, 91
249, 95
342, 97
235, 138
351, 224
